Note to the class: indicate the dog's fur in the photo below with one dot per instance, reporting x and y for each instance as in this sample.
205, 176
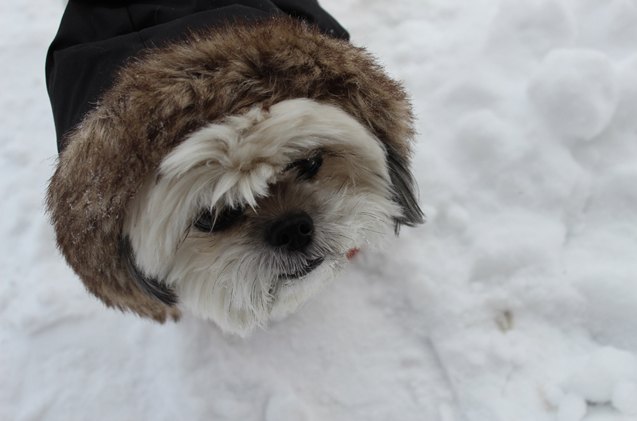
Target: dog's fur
215, 122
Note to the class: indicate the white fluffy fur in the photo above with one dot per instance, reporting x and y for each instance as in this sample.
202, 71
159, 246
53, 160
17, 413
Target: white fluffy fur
233, 277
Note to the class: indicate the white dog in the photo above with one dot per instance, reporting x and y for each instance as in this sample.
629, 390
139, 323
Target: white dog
234, 173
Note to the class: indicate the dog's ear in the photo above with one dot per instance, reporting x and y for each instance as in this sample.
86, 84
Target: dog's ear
404, 190
151, 286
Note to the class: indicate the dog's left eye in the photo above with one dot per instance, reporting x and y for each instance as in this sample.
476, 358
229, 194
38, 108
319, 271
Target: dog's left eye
207, 222
308, 168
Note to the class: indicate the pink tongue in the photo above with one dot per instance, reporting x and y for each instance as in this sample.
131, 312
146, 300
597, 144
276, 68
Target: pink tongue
351, 253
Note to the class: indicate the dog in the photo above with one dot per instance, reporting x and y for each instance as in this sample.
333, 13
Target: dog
229, 170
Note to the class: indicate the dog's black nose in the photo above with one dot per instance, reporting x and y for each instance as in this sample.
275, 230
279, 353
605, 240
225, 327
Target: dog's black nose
291, 231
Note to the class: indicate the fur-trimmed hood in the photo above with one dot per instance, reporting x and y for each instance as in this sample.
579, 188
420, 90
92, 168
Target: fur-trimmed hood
167, 93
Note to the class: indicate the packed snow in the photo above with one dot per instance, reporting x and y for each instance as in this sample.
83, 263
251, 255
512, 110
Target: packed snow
516, 301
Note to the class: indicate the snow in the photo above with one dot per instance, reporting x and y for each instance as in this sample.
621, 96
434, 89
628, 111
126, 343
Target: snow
580, 81
624, 398
571, 408
598, 375
516, 301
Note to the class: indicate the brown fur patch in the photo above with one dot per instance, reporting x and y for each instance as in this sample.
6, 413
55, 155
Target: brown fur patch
160, 98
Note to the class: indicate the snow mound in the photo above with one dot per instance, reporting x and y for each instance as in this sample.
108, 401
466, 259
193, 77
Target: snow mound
597, 377
575, 92
531, 28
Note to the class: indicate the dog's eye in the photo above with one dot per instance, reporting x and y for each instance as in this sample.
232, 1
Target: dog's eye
308, 168
207, 222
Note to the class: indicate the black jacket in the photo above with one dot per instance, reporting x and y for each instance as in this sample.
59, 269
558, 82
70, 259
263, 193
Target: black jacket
97, 37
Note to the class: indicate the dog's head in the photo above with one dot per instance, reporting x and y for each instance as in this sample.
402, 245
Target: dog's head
248, 217
234, 174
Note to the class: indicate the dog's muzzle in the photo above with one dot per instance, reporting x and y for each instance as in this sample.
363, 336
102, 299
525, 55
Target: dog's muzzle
293, 233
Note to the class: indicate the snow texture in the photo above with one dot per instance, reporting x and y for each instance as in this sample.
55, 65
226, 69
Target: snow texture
516, 301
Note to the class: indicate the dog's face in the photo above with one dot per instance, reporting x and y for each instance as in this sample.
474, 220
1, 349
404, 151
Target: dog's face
247, 218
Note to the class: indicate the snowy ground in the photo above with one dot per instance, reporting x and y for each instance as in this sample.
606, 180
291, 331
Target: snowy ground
517, 301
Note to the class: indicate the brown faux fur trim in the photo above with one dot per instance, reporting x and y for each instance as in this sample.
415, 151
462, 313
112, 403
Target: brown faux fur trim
163, 96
